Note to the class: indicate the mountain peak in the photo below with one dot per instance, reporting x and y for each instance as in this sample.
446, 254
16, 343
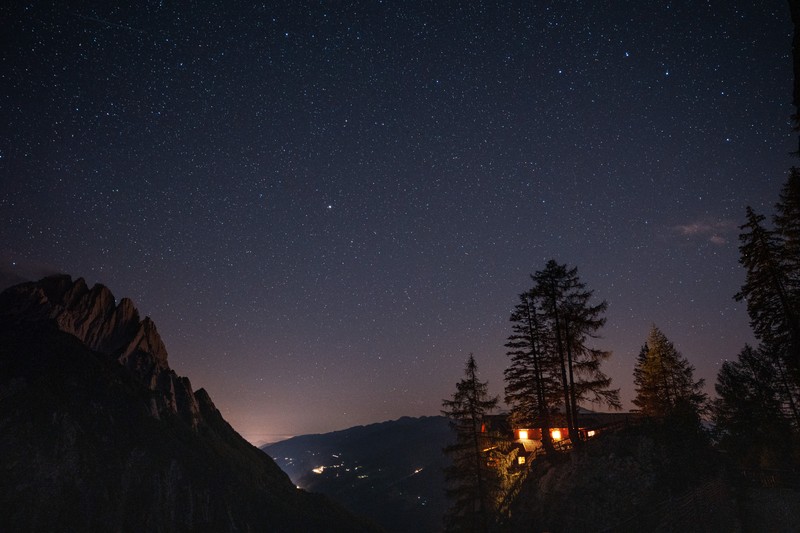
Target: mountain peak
91, 410
94, 317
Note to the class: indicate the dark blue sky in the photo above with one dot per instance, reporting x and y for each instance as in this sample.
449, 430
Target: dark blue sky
325, 206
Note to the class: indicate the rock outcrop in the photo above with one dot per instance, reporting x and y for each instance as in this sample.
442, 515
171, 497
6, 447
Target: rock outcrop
94, 317
97, 433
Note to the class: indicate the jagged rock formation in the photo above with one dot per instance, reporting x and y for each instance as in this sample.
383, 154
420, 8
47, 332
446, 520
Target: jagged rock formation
93, 316
97, 433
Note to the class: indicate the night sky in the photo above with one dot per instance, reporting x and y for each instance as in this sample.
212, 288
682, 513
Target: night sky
325, 206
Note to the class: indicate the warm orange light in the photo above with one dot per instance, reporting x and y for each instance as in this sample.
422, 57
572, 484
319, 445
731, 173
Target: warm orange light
590, 433
521, 460
556, 434
523, 433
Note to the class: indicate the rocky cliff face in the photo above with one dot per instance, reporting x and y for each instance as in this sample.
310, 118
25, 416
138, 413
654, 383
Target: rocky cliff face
94, 317
97, 433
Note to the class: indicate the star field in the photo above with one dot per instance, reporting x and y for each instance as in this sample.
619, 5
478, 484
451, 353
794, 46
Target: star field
325, 206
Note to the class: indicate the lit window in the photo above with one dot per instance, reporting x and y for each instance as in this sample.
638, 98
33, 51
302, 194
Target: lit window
590, 433
521, 460
523, 433
556, 434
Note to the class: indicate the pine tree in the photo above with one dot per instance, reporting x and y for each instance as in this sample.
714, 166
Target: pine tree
755, 410
471, 482
758, 410
768, 289
664, 380
530, 383
552, 368
565, 305
787, 229
551, 283
787, 225
582, 321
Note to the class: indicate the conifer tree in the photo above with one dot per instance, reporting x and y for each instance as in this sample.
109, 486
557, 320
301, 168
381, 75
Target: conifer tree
551, 283
471, 482
530, 383
664, 380
758, 410
755, 410
772, 303
787, 228
573, 320
552, 368
787, 225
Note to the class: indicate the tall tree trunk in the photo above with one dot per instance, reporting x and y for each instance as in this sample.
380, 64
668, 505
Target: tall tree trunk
573, 428
562, 360
543, 411
476, 424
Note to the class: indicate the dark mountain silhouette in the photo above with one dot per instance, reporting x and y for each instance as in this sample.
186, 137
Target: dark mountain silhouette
390, 472
97, 433
8, 278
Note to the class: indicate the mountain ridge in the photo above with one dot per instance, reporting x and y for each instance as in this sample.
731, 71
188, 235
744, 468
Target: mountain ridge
390, 472
98, 433
94, 317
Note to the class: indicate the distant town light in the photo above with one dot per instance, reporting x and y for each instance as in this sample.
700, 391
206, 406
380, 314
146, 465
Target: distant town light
318, 470
590, 433
556, 434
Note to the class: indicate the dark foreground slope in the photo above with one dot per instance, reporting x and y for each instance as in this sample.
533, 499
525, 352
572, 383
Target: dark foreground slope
391, 472
651, 477
108, 438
